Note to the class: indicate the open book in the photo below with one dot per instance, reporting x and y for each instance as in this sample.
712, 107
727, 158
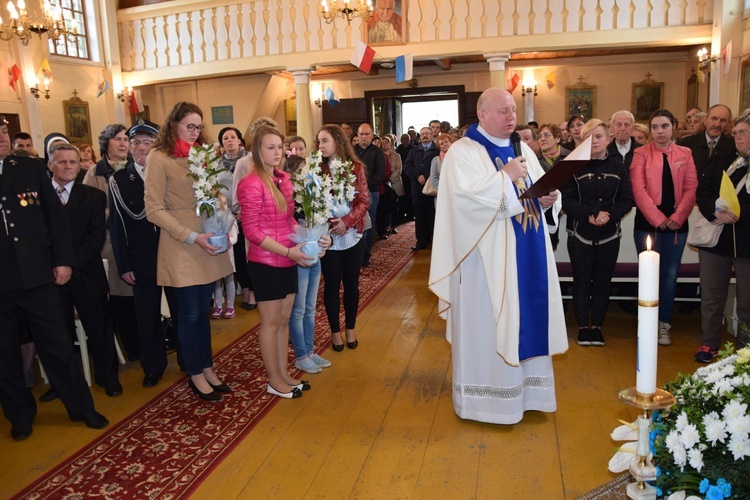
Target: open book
561, 173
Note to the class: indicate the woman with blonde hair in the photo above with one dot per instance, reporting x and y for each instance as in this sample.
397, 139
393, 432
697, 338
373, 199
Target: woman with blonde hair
186, 260
267, 209
595, 201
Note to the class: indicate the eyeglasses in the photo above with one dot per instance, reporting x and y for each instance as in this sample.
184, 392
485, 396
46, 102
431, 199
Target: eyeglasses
742, 132
194, 128
144, 142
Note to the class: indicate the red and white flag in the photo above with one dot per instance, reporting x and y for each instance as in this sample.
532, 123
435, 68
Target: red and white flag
14, 74
363, 56
512, 79
136, 103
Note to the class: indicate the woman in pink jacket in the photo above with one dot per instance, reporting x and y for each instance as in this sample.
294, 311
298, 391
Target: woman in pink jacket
664, 182
265, 198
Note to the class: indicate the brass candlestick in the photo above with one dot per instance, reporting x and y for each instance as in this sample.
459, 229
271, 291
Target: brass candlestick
640, 467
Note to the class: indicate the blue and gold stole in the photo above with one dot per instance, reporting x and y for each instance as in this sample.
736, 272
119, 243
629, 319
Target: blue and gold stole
531, 261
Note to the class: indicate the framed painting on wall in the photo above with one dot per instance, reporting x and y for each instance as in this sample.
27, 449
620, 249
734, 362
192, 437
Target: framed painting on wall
77, 120
143, 115
647, 97
745, 89
580, 99
692, 91
388, 24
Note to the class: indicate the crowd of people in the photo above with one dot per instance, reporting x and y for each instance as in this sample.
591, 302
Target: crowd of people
136, 208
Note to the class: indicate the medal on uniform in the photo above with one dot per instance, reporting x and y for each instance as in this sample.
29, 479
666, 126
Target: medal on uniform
23, 199
33, 198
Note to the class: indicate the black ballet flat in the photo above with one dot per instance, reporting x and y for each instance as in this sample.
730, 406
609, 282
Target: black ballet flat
211, 396
352, 345
221, 388
303, 385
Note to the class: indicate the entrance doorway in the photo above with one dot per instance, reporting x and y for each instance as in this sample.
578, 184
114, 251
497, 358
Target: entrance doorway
394, 111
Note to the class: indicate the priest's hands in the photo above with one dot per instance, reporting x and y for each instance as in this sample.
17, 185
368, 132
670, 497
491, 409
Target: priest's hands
548, 200
516, 168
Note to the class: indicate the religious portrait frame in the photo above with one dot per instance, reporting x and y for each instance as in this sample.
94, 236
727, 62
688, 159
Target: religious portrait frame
399, 12
745, 81
647, 97
143, 115
580, 99
77, 121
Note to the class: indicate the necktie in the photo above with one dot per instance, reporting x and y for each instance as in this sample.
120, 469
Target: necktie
62, 194
711, 147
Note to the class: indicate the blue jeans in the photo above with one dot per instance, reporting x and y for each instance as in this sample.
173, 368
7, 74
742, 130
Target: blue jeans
194, 327
669, 246
370, 233
302, 320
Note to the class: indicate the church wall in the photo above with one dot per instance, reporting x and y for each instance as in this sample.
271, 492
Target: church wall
613, 79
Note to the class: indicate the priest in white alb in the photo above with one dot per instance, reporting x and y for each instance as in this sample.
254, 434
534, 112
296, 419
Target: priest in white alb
494, 271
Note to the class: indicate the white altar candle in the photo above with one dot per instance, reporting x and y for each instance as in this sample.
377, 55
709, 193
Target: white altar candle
648, 319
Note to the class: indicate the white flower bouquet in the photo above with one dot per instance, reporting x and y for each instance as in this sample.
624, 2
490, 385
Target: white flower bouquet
342, 186
701, 445
312, 194
204, 167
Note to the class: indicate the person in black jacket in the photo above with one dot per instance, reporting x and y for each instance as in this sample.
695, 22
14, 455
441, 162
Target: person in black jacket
595, 201
716, 122
733, 247
623, 144
37, 255
135, 243
417, 167
87, 289
374, 160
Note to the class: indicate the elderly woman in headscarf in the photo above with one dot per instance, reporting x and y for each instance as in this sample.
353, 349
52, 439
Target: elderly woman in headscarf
113, 146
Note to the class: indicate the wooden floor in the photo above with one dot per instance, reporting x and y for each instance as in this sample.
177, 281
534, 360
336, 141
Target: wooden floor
380, 423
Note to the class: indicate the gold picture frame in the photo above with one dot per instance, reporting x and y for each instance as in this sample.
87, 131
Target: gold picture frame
745, 89
77, 120
580, 99
647, 97
391, 31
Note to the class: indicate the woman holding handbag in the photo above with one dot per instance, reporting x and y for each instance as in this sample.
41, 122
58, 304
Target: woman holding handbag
733, 247
663, 179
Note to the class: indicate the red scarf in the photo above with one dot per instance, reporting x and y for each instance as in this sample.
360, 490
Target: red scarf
181, 148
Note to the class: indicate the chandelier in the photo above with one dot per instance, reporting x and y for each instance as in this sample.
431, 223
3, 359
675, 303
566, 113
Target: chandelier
21, 26
345, 10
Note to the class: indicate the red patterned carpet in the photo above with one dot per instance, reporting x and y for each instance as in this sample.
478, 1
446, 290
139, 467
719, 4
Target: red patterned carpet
166, 448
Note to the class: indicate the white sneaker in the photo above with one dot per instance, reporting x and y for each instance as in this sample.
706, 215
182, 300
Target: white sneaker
308, 365
664, 338
321, 362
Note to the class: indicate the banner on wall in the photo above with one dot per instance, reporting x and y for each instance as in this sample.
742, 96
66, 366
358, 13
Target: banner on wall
14, 74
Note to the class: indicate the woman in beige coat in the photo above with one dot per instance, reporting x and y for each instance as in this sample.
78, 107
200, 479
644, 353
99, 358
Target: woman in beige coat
186, 261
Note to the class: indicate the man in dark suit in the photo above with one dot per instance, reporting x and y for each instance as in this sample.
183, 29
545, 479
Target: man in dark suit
374, 160
135, 242
36, 254
622, 125
417, 167
87, 289
713, 141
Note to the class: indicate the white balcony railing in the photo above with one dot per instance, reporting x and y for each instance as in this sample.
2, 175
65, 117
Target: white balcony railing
191, 31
